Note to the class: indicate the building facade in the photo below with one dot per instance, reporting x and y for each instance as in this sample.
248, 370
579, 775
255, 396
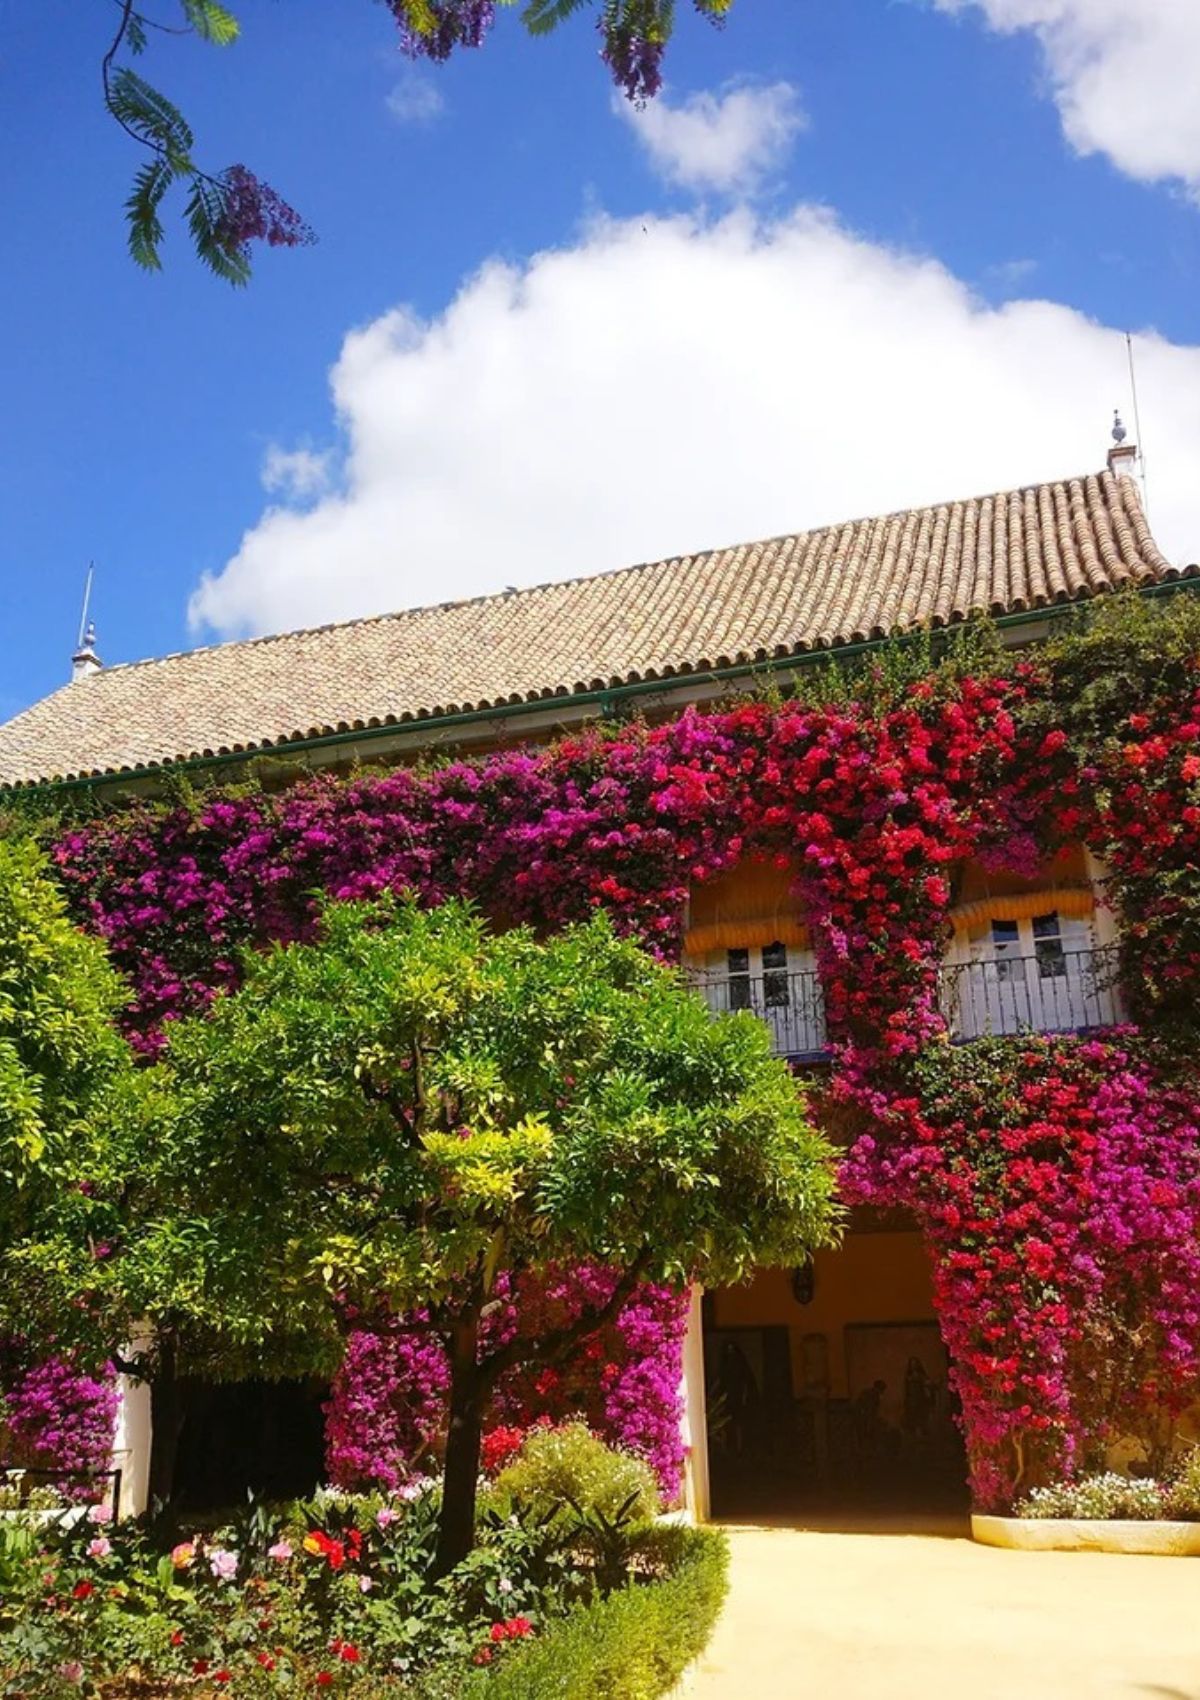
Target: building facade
892, 888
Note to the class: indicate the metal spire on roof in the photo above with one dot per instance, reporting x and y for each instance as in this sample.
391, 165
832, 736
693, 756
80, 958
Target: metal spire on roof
85, 661
1119, 432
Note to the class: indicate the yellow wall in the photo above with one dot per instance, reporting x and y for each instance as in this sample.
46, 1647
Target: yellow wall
870, 1278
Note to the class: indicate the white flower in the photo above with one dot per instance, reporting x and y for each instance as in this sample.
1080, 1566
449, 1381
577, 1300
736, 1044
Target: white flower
223, 1564
504, 1585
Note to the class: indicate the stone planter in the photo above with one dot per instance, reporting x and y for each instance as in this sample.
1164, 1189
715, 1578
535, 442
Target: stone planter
1063, 1534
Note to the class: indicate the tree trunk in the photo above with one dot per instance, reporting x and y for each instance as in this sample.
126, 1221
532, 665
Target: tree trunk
468, 1398
166, 1423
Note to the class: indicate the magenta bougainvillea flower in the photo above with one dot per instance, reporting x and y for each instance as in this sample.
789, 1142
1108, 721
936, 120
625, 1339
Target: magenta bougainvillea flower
1054, 1180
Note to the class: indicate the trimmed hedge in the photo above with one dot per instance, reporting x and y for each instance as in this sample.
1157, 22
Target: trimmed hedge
635, 1645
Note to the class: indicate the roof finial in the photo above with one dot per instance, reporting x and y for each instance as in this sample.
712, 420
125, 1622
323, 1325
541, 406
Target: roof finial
1119, 432
85, 661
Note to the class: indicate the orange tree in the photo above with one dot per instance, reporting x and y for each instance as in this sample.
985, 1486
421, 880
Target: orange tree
390, 1118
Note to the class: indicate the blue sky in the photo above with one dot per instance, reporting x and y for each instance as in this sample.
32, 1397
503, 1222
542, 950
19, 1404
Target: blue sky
885, 260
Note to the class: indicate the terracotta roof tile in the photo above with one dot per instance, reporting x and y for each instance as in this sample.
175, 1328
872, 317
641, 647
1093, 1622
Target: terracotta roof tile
1012, 551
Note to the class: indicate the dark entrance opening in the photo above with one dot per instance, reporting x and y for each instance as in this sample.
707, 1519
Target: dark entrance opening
262, 1437
828, 1391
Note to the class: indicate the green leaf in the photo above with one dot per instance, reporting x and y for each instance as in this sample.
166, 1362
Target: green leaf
203, 212
211, 21
145, 226
542, 16
150, 115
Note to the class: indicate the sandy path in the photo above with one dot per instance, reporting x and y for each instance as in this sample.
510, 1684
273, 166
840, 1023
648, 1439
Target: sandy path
913, 1617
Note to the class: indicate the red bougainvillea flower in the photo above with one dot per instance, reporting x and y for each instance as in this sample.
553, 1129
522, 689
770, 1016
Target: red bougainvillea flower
498, 1446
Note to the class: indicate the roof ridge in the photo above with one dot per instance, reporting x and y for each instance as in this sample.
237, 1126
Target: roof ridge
521, 591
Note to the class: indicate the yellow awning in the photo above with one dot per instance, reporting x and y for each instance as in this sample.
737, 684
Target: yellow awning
1076, 901
747, 907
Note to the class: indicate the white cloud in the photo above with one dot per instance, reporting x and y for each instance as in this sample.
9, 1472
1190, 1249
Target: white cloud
1125, 75
416, 99
728, 142
1012, 274
672, 384
296, 474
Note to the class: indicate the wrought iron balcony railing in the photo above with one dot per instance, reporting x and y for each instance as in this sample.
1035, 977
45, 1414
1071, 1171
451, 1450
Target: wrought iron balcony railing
788, 1000
1053, 991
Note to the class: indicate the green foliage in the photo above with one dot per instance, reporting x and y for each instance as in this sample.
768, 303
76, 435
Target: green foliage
634, 1645
211, 21
570, 1465
1183, 1488
416, 1104
150, 118
274, 1596
58, 1047
1118, 653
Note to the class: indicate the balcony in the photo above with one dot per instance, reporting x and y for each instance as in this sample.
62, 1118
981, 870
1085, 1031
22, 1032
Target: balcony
1051, 991
788, 1000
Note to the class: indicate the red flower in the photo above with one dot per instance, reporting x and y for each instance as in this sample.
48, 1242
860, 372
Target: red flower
177, 1638
266, 1661
348, 1654
82, 1590
483, 1656
221, 1675
324, 1678
200, 1667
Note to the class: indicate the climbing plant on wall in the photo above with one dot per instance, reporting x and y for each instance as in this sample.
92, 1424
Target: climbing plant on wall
875, 789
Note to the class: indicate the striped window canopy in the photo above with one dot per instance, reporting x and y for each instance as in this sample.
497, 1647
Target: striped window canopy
1063, 885
747, 906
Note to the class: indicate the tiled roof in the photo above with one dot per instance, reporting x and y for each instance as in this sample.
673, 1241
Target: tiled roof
1021, 549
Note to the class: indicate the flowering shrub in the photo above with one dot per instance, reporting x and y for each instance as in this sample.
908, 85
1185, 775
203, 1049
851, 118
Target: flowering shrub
1105, 1495
570, 1464
58, 1418
1183, 1487
1058, 1185
1054, 1179
331, 1593
387, 1406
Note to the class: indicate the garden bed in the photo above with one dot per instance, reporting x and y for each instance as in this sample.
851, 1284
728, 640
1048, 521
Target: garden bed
1166, 1538
634, 1645
574, 1589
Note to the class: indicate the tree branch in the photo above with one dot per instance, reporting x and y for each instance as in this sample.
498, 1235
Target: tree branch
561, 1342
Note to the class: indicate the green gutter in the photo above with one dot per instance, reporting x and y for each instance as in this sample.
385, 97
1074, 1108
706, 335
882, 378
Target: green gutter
605, 700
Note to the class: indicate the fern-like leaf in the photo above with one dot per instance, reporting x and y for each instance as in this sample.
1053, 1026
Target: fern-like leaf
211, 22
150, 115
542, 16
145, 226
204, 213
